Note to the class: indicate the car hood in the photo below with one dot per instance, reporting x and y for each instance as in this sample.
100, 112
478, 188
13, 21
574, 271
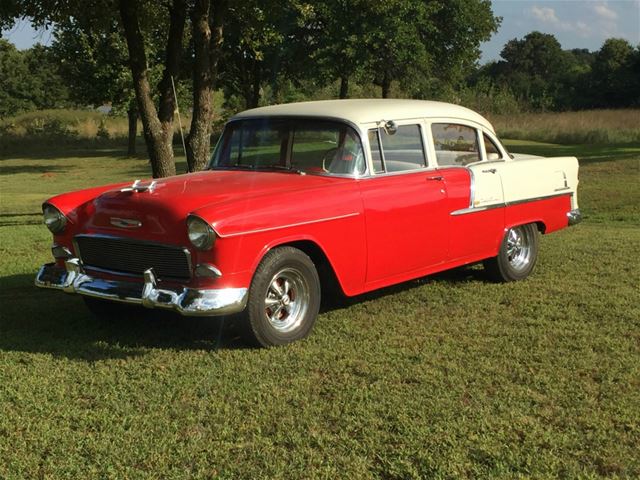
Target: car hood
159, 210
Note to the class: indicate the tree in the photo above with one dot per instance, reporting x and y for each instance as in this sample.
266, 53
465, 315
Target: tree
425, 45
207, 19
253, 52
142, 22
93, 61
533, 67
29, 80
615, 74
14, 81
157, 122
338, 29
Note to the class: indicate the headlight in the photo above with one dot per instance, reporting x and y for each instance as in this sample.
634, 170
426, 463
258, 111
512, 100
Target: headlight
54, 219
201, 235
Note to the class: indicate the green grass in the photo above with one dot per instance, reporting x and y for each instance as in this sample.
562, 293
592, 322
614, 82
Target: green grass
450, 376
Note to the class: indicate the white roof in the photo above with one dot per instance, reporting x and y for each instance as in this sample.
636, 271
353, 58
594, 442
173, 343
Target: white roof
367, 110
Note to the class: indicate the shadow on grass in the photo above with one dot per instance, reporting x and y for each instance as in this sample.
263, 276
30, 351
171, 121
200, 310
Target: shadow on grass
44, 150
32, 169
46, 321
466, 273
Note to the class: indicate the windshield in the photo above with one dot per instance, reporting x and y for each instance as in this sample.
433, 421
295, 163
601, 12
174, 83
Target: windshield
301, 145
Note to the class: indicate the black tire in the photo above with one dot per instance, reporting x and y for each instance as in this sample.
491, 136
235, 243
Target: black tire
284, 299
517, 256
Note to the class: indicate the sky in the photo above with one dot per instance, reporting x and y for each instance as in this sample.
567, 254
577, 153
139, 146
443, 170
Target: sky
575, 23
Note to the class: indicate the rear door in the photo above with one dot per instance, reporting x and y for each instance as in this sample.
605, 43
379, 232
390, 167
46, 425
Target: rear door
472, 172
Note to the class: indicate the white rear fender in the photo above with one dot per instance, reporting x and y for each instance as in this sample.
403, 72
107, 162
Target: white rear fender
523, 178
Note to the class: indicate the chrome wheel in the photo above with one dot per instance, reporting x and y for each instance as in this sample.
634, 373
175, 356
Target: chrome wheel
286, 300
519, 251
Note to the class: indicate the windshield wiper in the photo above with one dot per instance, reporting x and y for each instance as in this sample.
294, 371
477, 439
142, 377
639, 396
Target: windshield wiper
279, 168
232, 167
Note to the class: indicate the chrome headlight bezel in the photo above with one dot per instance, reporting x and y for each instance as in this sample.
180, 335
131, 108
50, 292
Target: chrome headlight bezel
201, 234
54, 219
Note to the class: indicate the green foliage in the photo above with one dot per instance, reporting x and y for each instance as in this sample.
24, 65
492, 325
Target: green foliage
29, 80
616, 74
539, 73
449, 376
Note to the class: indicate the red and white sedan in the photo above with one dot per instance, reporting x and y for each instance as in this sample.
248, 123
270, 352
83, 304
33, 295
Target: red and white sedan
312, 199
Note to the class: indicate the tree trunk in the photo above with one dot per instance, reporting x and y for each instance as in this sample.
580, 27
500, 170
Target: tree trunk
386, 85
132, 115
344, 87
158, 131
207, 39
257, 81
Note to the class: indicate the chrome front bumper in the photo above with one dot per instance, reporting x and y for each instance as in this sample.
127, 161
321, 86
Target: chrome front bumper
185, 301
574, 217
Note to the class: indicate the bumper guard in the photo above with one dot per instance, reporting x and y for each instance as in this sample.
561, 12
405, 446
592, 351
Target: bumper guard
574, 217
185, 301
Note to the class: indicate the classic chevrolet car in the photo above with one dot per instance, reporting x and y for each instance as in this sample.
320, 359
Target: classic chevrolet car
310, 199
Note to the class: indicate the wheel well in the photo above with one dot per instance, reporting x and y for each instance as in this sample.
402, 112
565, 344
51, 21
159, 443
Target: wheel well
328, 278
542, 228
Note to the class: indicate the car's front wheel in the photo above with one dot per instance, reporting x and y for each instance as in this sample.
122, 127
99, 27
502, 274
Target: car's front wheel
284, 298
517, 256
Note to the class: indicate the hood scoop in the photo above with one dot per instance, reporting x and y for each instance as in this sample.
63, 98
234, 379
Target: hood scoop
138, 186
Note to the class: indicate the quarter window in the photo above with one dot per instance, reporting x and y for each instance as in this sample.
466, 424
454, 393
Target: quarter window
455, 144
490, 148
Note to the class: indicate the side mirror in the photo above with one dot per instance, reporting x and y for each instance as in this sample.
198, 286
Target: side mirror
390, 127
493, 156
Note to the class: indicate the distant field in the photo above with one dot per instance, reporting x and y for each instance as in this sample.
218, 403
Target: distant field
450, 376
603, 127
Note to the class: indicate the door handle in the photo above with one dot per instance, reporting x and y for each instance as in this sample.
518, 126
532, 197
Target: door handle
491, 170
437, 178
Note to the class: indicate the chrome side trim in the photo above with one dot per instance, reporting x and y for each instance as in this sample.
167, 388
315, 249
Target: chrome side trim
268, 229
472, 187
535, 199
482, 208
183, 300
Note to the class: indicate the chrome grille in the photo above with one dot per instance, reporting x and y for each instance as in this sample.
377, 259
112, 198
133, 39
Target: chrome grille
124, 255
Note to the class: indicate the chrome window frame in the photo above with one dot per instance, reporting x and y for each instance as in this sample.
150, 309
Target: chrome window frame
420, 122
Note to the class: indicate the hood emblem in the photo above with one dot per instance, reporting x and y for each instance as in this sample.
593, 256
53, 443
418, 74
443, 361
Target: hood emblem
125, 222
138, 186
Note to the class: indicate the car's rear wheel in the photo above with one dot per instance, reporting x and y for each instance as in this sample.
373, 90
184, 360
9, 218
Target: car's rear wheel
517, 256
284, 298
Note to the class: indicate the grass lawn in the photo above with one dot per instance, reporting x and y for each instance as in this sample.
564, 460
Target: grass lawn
450, 376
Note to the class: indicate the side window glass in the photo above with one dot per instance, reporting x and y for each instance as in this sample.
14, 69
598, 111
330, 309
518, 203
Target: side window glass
376, 155
403, 150
455, 144
491, 149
